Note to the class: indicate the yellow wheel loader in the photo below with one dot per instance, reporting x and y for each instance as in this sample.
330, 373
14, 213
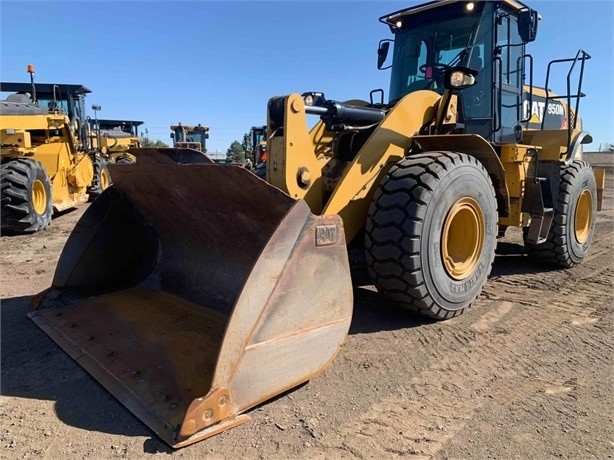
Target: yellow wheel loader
193, 299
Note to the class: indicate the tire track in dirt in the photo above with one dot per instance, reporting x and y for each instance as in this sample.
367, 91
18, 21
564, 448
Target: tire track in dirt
558, 407
470, 376
596, 271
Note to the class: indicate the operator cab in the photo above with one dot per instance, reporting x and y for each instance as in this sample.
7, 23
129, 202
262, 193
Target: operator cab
191, 137
57, 97
487, 37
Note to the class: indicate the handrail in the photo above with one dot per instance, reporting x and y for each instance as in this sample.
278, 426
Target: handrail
582, 56
522, 59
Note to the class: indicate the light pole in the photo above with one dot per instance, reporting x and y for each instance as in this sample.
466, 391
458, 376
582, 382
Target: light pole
96, 108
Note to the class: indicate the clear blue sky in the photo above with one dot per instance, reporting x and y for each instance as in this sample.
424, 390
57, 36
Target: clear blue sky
217, 63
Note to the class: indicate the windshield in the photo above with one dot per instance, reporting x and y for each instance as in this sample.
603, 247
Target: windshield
53, 105
429, 42
259, 136
124, 127
189, 137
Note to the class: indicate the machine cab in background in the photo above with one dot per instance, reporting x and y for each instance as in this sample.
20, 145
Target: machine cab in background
488, 37
190, 137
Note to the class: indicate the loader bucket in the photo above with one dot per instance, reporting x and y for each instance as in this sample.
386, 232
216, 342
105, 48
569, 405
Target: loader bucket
194, 292
179, 155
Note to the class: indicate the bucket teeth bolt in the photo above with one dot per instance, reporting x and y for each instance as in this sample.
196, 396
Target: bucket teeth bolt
207, 415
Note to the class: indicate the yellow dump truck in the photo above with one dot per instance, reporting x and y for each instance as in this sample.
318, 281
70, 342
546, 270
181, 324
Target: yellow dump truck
193, 299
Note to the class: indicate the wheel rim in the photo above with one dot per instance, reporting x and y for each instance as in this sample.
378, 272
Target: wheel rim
104, 179
583, 216
462, 238
39, 197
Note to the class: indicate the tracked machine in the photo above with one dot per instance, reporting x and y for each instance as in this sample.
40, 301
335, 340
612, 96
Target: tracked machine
214, 297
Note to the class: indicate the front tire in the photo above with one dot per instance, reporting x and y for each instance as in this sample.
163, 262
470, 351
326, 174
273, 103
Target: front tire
431, 232
101, 180
575, 216
26, 204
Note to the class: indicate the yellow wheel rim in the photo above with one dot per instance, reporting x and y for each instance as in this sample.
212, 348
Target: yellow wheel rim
583, 216
104, 179
462, 238
39, 197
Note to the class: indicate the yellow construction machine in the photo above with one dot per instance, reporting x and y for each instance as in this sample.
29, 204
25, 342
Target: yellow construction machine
115, 139
190, 137
189, 145
194, 292
43, 167
256, 149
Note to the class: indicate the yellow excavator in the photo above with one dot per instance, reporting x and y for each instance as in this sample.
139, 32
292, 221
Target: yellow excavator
193, 299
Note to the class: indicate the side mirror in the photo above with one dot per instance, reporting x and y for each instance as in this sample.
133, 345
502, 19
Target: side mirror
458, 78
172, 135
382, 53
527, 25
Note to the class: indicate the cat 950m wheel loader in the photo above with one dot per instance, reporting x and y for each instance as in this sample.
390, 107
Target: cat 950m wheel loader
194, 292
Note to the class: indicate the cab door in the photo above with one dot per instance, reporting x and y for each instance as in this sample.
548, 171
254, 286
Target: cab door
508, 70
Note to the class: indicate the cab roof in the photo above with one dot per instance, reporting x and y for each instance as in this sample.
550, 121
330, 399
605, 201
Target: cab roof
116, 122
190, 128
392, 18
45, 90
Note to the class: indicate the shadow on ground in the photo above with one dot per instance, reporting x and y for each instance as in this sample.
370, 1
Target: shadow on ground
34, 367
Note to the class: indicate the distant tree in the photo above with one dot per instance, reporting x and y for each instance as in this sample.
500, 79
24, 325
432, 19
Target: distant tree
148, 143
236, 152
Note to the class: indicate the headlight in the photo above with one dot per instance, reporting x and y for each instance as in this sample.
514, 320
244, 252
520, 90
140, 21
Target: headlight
313, 98
459, 79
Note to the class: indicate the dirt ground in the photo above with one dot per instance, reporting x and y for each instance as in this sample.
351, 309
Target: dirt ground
527, 372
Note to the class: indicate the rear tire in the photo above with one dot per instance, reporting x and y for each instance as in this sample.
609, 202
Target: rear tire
101, 180
575, 216
431, 232
26, 203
